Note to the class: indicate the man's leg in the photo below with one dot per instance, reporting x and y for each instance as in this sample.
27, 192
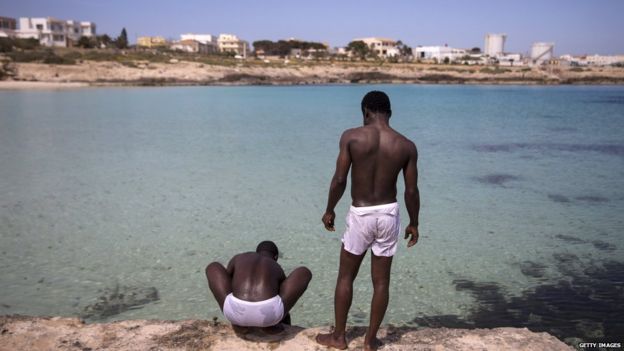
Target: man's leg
349, 267
293, 287
219, 282
380, 274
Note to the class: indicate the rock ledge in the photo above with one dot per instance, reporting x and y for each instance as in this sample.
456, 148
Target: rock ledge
56, 333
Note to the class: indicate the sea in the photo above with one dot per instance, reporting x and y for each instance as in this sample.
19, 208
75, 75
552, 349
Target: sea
113, 200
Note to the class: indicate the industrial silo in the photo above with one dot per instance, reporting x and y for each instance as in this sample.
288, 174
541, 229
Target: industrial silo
495, 44
541, 52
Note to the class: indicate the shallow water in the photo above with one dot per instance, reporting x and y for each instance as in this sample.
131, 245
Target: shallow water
132, 188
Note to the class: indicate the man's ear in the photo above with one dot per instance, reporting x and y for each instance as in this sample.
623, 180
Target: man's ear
389, 113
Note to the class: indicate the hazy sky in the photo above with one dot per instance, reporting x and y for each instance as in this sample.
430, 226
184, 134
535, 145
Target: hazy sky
575, 26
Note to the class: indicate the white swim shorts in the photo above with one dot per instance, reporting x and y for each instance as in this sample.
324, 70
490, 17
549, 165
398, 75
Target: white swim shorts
377, 227
243, 313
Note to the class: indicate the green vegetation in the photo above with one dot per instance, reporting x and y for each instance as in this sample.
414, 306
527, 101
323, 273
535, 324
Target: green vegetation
12, 44
43, 56
122, 40
577, 69
494, 70
359, 49
283, 48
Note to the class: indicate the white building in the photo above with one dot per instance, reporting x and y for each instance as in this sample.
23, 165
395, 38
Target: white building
495, 44
54, 32
8, 27
231, 43
210, 41
383, 47
596, 60
193, 46
510, 60
438, 53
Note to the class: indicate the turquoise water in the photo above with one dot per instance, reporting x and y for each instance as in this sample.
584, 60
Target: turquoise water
522, 192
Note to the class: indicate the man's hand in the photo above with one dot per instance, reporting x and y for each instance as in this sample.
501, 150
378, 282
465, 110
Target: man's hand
413, 232
328, 220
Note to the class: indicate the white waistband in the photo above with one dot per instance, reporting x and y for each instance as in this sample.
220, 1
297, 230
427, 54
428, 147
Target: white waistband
391, 208
253, 303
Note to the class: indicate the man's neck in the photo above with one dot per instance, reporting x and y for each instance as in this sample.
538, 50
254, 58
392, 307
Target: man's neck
379, 120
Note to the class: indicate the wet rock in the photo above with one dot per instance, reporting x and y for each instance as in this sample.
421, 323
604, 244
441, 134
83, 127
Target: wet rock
558, 198
592, 198
118, 300
570, 239
532, 269
604, 246
497, 179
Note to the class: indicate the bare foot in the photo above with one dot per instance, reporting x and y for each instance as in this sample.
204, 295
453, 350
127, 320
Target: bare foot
330, 341
276, 329
373, 345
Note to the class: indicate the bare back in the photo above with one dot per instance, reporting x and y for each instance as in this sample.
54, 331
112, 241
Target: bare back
378, 154
255, 277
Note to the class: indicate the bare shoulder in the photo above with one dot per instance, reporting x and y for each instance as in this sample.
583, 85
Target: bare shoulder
351, 133
408, 145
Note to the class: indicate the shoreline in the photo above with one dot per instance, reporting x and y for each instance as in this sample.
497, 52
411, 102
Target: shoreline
20, 76
18, 85
37, 85
58, 333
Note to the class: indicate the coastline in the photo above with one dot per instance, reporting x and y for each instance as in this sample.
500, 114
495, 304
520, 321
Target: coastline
58, 333
22, 76
39, 85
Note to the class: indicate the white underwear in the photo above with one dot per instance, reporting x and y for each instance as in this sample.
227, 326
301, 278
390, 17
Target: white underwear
375, 227
243, 313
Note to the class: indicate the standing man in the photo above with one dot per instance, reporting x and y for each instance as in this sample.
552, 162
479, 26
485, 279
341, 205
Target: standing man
377, 154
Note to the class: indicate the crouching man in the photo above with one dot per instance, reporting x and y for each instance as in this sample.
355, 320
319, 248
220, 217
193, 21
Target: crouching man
253, 290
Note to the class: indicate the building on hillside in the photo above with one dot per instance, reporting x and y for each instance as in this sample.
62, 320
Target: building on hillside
438, 53
210, 41
152, 42
592, 60
190, 45
8, 27
510, 60
231, 43
383, 47
54, 32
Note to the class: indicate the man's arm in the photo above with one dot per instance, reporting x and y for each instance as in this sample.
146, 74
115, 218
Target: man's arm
339, 181
412, 195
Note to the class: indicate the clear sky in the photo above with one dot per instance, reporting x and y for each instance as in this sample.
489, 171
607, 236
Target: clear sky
575, 26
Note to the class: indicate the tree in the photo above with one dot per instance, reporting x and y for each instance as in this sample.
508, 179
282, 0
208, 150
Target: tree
86, 42
122, 39
359, 49
104, 40
475, 50
447, 60
404, 50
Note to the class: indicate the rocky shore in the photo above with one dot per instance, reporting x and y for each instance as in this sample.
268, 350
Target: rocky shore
56, 333
98, 73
